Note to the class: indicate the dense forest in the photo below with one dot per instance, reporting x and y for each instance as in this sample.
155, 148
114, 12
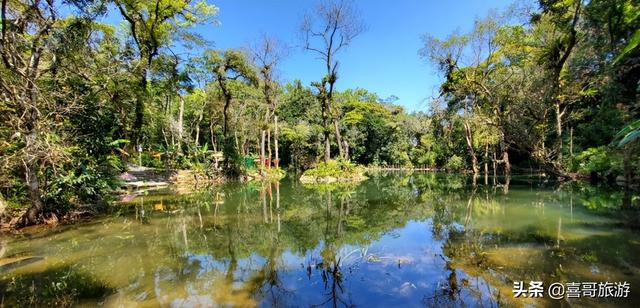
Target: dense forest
549, 87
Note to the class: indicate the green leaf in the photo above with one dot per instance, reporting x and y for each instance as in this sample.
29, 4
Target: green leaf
633, 126
629, 137
118, 142
633, 43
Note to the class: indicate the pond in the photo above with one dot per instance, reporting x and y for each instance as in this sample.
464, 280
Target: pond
395, 240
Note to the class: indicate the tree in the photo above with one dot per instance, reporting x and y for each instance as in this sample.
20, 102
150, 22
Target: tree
154, 24
374, 129
564, 16
38, 87
25, 46
168, 83
334, 26
467, 62
267, 54
228, 66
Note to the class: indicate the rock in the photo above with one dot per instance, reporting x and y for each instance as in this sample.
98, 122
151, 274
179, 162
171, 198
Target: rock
140, 184
126, 176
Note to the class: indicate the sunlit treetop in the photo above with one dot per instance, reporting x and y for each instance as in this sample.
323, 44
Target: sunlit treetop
154, 23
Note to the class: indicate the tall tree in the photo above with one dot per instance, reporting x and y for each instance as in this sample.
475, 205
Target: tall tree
154, 24
26, 43
267, 54
467, 62
228, 66
564, 16
332, 27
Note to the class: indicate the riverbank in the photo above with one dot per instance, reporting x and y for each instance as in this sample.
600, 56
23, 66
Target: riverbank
142, 177
135, 181
139, 180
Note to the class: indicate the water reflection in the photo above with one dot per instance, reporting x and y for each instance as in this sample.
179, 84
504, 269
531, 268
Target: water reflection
397, 239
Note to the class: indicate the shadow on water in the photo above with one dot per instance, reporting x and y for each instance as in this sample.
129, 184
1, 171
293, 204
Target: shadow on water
54, 287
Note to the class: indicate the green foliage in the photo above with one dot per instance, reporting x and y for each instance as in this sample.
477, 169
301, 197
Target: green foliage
232, 64
628, 134
428, 159
455, 163
374, 129
157, 23
335, 168
631, 15
232, 159
601, 159
149, 160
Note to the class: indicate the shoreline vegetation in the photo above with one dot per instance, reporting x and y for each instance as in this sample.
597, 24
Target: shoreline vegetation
550, 87
334, 171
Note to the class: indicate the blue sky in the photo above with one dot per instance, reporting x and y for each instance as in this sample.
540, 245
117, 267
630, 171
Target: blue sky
384, 59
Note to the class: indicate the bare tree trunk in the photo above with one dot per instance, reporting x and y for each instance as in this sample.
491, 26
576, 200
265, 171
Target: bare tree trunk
325, 119
262, 160
505, 161
469, 138
269, 147
571, 142
327, 148
264, 136
225, 116
494, 168
486, 164
198, 128
164, 136
559, 115
173, 139
243, 144
275, 141
31, 157
557, 70
505, 156
346, 150
180, 123
338, 138
225, 109
507, 182
33, 183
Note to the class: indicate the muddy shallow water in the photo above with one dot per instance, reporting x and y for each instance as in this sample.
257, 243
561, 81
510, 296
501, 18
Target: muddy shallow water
397, 239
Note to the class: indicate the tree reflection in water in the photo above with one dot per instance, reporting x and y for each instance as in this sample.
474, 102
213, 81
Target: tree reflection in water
396, 239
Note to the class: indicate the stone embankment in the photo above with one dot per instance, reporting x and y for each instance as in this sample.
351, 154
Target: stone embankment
141, 177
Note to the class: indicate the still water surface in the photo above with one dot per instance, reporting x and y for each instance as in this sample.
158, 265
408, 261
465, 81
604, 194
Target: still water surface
395, 240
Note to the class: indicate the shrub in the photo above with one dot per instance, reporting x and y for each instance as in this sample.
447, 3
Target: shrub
600, 160
454, 163
149, 160
334, 168
428, 158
